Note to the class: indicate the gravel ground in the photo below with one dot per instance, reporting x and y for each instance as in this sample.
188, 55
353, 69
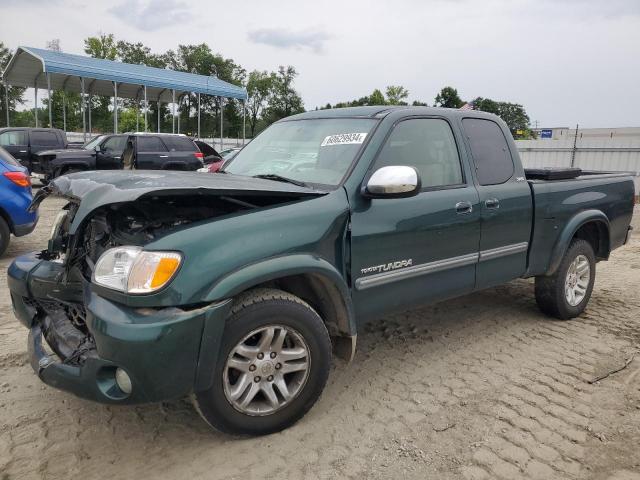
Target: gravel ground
479, 387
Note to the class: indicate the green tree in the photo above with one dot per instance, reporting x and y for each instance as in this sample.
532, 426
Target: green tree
377, 98
417, 103
102, 46
448, 98
15, 93
396, 95
259, 87
513, 114
284, 99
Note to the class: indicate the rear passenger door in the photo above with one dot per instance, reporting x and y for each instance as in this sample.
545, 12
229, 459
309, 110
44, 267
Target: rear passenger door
151, 153
16, 142
183, 153
505, 203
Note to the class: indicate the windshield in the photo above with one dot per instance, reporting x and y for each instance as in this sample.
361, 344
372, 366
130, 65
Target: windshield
91, 144
316, 151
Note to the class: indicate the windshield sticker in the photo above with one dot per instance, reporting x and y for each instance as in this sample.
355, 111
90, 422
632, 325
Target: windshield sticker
344, 139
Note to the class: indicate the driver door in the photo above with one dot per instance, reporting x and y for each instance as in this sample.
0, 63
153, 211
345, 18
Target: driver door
412, 251
110, 155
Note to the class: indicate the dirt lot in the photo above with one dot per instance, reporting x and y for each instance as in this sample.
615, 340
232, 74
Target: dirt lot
479, 387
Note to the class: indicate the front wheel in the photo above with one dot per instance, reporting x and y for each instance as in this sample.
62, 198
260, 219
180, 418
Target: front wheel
565, 294
273, 365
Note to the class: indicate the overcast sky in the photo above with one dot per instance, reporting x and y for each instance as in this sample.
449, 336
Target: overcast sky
566, 61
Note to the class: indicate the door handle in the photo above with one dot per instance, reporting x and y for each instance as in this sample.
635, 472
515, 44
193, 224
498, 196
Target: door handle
492, 203
463, 208
23, 151
164, 156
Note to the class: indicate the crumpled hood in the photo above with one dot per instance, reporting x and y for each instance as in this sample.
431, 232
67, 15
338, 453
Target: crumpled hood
96, 189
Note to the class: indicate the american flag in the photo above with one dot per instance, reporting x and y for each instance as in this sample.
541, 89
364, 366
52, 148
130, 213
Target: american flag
467, 106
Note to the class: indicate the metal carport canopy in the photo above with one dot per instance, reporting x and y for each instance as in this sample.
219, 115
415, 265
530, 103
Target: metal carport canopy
29, 68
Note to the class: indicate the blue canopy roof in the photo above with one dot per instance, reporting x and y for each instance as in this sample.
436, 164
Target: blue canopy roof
29, 65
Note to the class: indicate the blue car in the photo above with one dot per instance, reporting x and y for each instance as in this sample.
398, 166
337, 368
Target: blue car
15, 197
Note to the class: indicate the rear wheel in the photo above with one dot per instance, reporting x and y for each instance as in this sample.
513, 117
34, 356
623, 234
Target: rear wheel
565, 294
273, 365
5, 234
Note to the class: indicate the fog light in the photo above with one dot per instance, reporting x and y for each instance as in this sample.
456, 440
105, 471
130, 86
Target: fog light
123, 380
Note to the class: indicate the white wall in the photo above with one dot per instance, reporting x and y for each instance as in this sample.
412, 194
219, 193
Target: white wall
606, 154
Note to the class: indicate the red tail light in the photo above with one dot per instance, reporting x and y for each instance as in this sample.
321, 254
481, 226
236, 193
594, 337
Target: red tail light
199, 155
19, 178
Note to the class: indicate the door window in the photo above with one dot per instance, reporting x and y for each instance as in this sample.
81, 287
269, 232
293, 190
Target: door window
44, 139
115, 145
150, 144
490, 151
13, 138
428, 145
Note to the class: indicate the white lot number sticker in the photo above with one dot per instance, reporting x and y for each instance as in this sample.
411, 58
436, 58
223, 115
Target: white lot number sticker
343, 139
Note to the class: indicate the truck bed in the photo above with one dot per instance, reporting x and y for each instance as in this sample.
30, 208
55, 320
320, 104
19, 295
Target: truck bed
557, 202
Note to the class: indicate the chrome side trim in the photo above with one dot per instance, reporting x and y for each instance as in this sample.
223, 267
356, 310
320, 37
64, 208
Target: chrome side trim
363, 283
503, 251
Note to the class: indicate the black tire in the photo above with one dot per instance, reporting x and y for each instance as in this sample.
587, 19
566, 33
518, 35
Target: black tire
252, 310
5, 235
550, 290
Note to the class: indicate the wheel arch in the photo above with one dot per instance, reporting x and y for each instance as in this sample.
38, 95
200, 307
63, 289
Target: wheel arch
589, 225
309, 277
7, 218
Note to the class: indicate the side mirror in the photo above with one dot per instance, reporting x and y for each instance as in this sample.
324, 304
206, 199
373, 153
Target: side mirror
98, 148
393, 182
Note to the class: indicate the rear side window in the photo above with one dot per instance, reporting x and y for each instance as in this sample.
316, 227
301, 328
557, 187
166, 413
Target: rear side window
7, 158
428, 145
179, 144
490, 151
13, 137
150, 144
44, 139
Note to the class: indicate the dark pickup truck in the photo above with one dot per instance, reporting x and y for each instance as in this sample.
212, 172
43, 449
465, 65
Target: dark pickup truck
24, 144
236, 287
148, 151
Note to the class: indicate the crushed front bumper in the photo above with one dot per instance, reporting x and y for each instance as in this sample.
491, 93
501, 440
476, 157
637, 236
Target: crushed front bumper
167, 352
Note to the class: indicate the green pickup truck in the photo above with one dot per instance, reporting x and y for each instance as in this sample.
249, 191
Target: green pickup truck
236, 288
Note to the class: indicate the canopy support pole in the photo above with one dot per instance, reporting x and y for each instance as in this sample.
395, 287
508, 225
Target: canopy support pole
6, 100
64, 111
115, 107
35, 86
84, 120
221, 123
50, 103
178, 108
146, 107
173, 112
198, 117
244, 121
159, 108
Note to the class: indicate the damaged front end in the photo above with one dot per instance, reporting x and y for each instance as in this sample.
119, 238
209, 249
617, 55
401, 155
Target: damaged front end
102, 348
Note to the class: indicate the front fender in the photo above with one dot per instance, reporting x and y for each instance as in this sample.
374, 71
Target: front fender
280, 267
569, 230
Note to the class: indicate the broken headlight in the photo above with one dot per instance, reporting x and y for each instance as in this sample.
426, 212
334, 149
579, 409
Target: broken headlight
133, 270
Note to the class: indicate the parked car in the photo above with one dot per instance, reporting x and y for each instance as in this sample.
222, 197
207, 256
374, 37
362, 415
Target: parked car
149, 151
15, 198
24, 144
235, 288
210, 154
229, 153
